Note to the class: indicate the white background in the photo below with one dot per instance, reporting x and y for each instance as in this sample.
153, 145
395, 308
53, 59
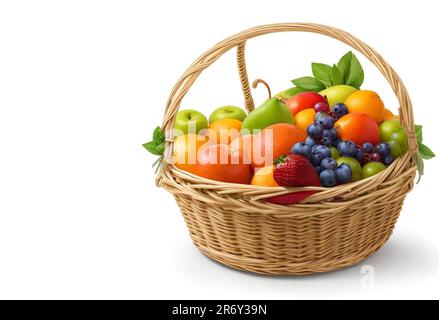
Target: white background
84, 83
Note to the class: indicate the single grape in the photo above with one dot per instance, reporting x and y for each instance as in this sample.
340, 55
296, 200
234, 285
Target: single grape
375, 157
321, 107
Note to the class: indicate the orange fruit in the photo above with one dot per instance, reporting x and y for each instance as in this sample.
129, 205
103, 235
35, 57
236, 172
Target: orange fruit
264, 177
367, 102
223, 130
304, 118
244, 146
186, 148
217, 162
263, 148
388, 115
359, 128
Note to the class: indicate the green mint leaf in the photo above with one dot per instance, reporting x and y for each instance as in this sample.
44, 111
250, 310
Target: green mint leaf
356, 74
322, 72
161, 148
351, 69
293, 91
425, 152
336, 76
418, 131
344, 65
158, 136
153, 148
309, 83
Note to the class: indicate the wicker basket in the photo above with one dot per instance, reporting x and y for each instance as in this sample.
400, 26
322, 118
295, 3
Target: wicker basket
332, 229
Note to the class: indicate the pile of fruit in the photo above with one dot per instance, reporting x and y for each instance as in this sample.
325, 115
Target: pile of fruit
325, 131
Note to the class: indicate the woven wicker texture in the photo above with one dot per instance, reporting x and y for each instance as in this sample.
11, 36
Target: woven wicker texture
332, 229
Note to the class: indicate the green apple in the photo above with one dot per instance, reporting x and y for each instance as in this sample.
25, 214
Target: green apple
189, 121
388, 127
337, 94
227, 112
354, 164
372, 168
270, 112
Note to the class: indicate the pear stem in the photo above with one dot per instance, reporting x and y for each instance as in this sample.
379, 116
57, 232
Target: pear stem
258, 81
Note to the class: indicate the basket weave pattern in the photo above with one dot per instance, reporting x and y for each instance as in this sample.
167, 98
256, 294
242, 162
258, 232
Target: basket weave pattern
331, 229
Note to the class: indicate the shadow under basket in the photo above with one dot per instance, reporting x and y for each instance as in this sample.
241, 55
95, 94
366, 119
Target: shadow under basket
334, 228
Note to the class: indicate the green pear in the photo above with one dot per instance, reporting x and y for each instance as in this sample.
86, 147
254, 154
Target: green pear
270, 112
337, 94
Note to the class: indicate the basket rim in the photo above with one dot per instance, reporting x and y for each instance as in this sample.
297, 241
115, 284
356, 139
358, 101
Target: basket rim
406, 163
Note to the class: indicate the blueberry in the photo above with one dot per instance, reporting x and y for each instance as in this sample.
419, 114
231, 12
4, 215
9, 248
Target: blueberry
368, 147
316, 147
329, 163
383, 149
327, 141
326, 122
318, 169
359, 155
316, 159
322, 150
340, 109
344, 173
314, 131
328, 178
388, 160
310, 141
330, 133
320, 115
335, 142
347, 148
302, 149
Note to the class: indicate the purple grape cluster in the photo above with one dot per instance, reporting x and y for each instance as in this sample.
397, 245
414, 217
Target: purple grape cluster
382, 152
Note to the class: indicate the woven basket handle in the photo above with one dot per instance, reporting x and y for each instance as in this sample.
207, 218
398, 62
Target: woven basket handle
191, 74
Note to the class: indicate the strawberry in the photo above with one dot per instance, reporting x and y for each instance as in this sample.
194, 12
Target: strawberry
295, 171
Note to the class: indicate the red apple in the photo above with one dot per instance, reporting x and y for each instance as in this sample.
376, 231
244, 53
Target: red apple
303, 101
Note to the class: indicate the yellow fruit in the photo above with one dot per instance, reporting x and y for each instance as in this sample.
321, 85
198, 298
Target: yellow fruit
304, 118
264, 177
367, 102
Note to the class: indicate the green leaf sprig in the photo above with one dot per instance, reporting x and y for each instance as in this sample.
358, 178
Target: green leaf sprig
424, 152
156, 146
347, 71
